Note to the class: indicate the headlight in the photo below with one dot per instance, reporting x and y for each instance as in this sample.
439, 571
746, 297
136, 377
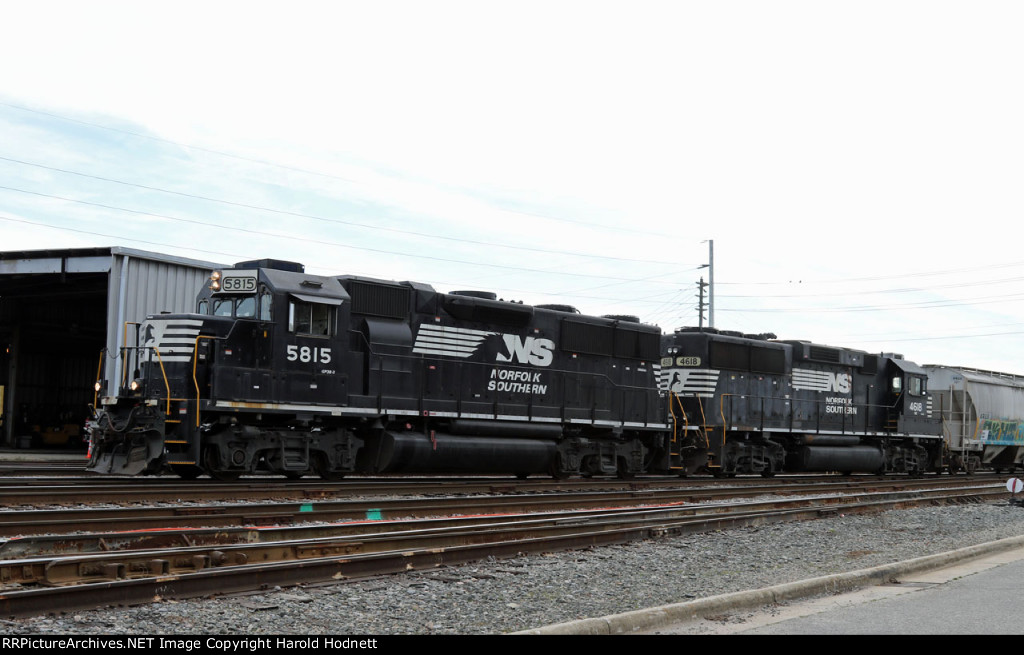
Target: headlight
135, 385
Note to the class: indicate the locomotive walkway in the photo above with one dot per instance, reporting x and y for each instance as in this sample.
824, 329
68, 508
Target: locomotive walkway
972, 590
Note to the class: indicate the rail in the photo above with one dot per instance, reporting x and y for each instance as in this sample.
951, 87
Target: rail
141, 575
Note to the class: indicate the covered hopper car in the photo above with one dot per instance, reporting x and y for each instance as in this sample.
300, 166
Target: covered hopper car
982, 414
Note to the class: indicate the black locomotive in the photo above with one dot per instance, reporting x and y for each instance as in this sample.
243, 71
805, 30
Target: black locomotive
291, 373
288, 372
755, 405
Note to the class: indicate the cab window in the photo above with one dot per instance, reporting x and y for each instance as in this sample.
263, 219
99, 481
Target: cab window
246, 307
223, 307
309, 318
265, 300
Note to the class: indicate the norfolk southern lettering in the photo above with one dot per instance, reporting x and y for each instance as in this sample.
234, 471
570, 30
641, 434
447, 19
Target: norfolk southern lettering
516, 382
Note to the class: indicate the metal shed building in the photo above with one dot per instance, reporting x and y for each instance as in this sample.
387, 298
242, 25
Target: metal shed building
61, 311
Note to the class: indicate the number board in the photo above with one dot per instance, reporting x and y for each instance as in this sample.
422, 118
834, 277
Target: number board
238, 282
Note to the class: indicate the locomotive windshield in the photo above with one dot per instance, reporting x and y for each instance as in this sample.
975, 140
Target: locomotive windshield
244, 307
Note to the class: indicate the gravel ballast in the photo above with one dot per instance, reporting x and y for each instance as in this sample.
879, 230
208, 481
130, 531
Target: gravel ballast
500, 596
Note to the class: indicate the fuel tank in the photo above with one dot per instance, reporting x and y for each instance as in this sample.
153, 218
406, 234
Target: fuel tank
835, 458
415, 452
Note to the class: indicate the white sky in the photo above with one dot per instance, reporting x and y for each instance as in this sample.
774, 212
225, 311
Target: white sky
857, 164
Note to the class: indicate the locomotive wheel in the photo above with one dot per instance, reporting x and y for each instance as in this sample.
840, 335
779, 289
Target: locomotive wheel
556, 470
322, 468
219, 474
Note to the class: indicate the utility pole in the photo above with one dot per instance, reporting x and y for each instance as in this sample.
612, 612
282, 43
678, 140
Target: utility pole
711, 283
700, 307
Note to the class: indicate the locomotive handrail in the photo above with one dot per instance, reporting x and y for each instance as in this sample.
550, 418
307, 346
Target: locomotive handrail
163, 372
721, 411
167, 384
672, 411
125, 347
195, 360
686, 419
703, 418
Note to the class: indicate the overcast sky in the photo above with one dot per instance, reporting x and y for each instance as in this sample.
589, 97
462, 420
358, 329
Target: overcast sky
858, 165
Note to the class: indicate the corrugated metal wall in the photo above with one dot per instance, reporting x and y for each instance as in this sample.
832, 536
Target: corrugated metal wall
142, 284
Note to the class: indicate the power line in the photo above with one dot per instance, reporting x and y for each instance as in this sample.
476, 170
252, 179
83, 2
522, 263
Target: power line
338, 245
882, 291
311, 216
878, 277
121, 237
942, 338
929, 304
263, 162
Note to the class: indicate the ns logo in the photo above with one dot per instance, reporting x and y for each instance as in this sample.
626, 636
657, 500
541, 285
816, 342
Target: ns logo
530, 350
840, 382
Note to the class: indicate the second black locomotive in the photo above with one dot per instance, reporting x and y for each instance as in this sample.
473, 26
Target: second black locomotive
756, 405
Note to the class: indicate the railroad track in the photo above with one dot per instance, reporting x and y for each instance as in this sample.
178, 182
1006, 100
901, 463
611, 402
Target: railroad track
206, 562
481, 498
34, 492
